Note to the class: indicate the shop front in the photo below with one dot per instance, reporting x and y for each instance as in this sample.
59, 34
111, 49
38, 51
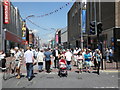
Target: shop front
11, 41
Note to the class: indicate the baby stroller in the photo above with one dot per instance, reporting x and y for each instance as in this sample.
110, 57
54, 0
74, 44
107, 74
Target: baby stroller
62, 68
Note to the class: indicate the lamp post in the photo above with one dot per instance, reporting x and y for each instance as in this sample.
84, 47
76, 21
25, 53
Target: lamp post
81, 27
1, 27
83, 3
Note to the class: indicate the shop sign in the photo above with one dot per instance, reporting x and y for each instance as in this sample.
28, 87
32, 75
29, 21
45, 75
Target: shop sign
24, 38
118, 40
6, 11
25, 42
56, 38
23, 30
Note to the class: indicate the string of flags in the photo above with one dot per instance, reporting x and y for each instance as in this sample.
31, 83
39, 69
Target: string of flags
38, 25
55, 11
47, 14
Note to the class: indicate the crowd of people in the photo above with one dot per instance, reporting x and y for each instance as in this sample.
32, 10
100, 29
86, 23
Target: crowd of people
83, 59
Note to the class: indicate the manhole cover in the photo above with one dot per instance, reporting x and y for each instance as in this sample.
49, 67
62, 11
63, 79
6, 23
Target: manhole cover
50, 77
79, 77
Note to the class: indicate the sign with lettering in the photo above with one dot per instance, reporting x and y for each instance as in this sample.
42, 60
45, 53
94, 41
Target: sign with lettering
6, 11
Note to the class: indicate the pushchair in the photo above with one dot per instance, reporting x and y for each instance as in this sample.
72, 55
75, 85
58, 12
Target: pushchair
62, 68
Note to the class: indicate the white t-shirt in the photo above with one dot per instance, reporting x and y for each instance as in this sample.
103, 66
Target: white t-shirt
68, 56
56, 52
40, 57
80, 57
12, 51
75, 52
17, 55
2, 56
28, 56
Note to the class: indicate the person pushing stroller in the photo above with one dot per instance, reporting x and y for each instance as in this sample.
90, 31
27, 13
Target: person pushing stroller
62, 67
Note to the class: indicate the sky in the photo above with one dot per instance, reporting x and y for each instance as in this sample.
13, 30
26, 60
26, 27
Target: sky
55, 21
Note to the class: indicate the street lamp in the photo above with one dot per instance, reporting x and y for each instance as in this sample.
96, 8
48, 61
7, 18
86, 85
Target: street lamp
81, 28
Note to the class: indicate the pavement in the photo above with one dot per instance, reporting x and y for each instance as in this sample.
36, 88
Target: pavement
106, 79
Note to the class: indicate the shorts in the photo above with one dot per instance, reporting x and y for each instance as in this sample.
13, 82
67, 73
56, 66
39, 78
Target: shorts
17, 63
12, 54
80, 64
87, 63
2, 63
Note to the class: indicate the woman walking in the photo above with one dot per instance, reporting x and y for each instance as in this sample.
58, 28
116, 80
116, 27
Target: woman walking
40, 59
98, 60
87, 57
80, 59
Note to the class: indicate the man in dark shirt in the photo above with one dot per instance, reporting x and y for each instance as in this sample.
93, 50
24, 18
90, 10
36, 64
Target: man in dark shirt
56, 53
48, 55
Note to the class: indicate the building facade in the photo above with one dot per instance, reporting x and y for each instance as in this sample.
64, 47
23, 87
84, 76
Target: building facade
74, 25
108, 14
10, 26
1, 23
31, 38
13, 30
64, 37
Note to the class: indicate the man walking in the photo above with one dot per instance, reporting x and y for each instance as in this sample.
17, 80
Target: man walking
56, 53
68, 56
48, 55
29, 59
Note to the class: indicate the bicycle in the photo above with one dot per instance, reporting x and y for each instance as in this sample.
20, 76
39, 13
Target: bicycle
9, 70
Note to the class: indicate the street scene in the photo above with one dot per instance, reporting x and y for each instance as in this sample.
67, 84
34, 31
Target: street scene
65, 44
106, 79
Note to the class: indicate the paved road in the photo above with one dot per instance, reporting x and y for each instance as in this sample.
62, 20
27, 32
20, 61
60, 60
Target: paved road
106, 79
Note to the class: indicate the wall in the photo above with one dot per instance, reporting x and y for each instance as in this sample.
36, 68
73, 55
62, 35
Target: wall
74, 24
117, 12
0, 25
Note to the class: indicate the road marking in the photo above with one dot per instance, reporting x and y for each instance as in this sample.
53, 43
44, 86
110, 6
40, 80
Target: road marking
111, 71
18, 83
105, 87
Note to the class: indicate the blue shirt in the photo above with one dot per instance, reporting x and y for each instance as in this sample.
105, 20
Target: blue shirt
98, 57
87, 57
47, 56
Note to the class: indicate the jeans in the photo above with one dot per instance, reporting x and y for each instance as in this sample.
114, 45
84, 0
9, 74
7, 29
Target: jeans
56, 61
68, 65
29, 67
98, 67
3, 63
40, 65
47, 64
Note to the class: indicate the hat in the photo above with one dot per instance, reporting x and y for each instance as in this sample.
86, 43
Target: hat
16, 48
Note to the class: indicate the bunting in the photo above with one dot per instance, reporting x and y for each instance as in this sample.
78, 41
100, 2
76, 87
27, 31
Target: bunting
38, 25
55, 11
47, 14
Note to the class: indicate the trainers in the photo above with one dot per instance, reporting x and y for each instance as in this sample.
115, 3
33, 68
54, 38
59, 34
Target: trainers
18, 77
88, 71
29, 78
